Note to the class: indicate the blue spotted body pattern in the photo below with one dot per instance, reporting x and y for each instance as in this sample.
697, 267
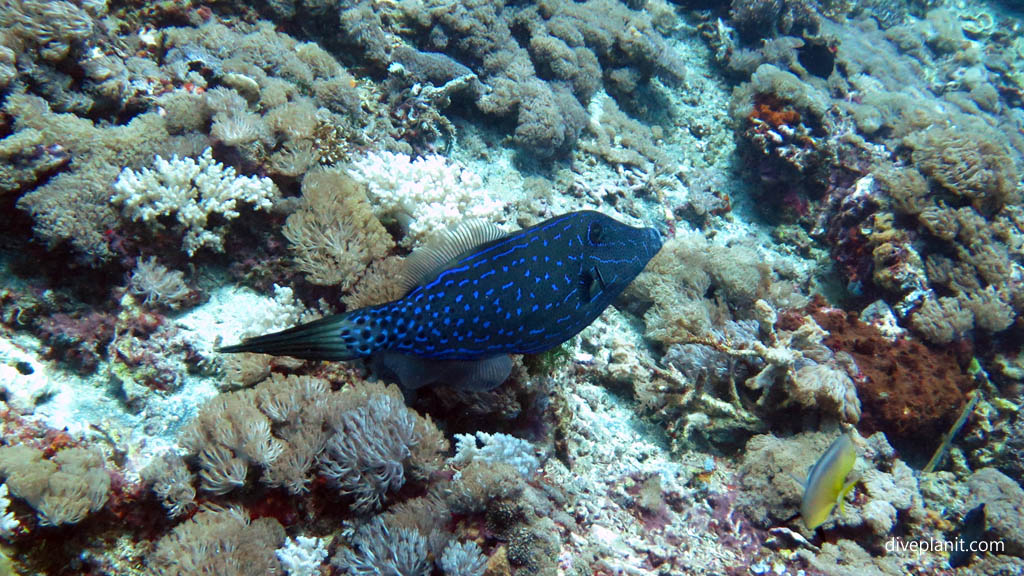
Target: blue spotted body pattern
522, 293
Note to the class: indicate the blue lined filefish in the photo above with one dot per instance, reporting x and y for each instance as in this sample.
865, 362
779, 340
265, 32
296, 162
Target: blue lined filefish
476, 296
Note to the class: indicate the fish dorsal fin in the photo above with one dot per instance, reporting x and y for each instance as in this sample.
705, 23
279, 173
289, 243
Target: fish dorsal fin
444, 248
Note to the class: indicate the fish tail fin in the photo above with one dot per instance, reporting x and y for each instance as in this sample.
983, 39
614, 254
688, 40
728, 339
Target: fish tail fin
344, 336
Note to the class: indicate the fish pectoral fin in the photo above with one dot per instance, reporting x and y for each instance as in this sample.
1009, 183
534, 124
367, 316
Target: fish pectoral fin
413, 372
802, 483
592, 283
841, 498
600, 277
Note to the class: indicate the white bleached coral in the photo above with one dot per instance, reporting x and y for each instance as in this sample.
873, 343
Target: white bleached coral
424, 195
8, 523
302, 556
191, 189
496, 448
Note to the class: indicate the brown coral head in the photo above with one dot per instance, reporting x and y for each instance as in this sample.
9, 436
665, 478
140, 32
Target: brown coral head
909, 391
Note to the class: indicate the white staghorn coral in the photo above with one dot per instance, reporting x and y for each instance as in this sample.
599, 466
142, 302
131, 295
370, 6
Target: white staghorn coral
424, 195
191, 189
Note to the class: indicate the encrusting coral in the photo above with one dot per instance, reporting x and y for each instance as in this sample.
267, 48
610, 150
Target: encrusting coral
545, 80
771, 474
907, 390
1002, 498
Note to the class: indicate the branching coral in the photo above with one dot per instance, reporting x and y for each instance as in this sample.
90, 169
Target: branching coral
192, 191
8, 523
74, 205
496, 448
302, 556
425, 194
334, 234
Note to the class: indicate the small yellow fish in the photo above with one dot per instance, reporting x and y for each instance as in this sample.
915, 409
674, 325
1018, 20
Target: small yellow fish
826, 482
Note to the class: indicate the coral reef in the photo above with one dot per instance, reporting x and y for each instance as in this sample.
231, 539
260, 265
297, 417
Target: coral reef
544, 81
838, 189
362, 439
913, 209
1002, 499
772, 493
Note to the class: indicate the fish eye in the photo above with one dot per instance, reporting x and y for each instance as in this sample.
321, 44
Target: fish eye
594, 233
